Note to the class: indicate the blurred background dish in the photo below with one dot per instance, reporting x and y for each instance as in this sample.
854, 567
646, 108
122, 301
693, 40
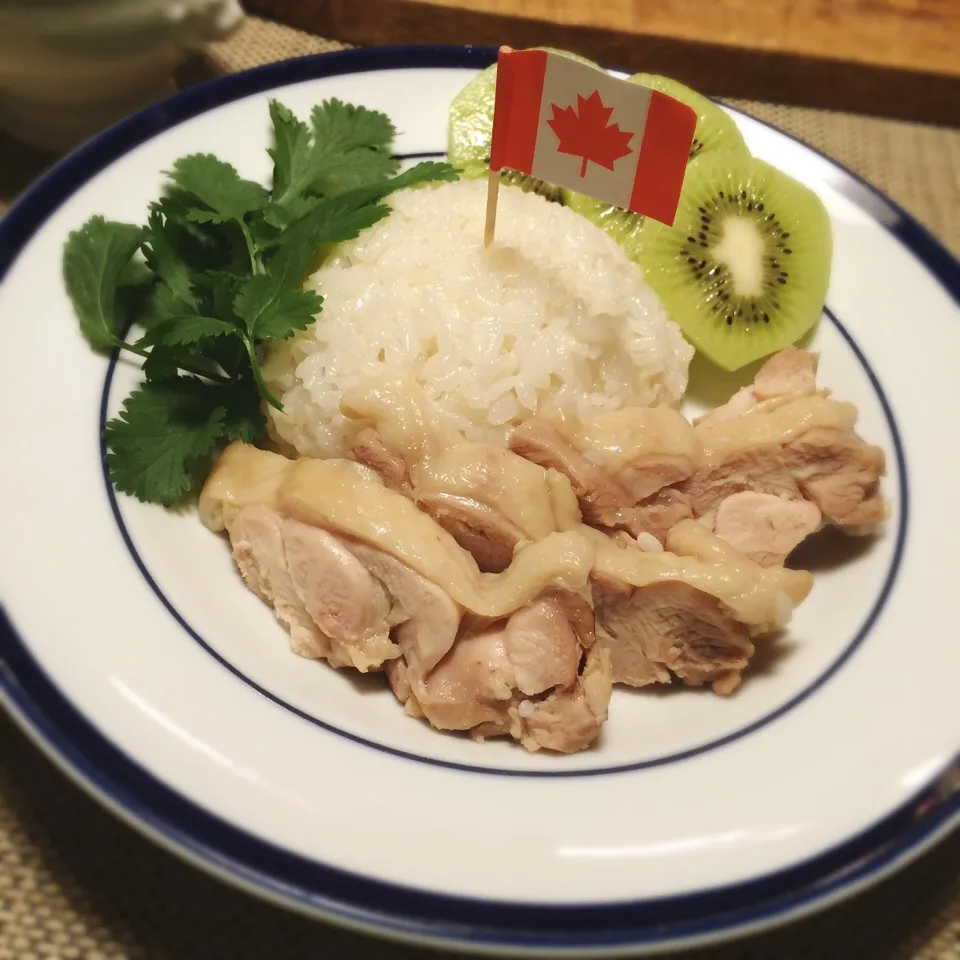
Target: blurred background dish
69, 69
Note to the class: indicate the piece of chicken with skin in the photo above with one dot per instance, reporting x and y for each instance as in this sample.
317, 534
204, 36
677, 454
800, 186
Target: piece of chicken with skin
369, 450
257, 545
350, 501
535, 649
333, 608
488, 498
665, 629
520, 677
788, 374
692, 611
840, 473
781, 460
475, 674
335, 553
477, 527
622, 465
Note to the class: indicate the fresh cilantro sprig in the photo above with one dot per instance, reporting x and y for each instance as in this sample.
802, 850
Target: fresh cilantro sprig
214, 275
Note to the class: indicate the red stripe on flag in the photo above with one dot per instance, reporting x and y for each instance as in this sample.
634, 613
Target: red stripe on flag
516, 112
664, 152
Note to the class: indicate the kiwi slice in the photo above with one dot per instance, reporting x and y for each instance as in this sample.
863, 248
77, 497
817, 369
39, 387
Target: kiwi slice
471, 127
715, 131
745, 267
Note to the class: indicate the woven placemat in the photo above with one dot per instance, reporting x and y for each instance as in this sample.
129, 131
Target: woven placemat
77, 884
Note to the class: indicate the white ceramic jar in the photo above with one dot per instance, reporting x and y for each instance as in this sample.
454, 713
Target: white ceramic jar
69, 68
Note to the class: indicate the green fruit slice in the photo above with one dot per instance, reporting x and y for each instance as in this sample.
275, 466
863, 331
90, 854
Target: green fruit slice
715, 131
471, 126
744, 269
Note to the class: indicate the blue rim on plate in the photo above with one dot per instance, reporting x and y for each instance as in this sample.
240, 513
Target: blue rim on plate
136, 795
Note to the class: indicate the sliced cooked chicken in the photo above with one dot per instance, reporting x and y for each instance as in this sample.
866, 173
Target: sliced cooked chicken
332, 495
257, 540
330, 604
349, 500
351, 608
488, 498
479, 529
643, 449
762, 598
840, 474
428, 627
689, 611
519, 677
602, 500
369, 450
569, 719
671, 628
787, 442
761, 469
542, 647
472, 686
242, 476
764, 527
398, 676
465, 572
622, 465
777, 421
659, 514
789, 373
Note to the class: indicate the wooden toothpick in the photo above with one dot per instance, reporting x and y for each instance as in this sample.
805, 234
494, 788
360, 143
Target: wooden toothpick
493, 192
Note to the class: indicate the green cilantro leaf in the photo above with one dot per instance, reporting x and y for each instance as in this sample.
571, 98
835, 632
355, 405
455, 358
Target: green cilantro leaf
175, 322
291, 154
162, 256
201, 246
272, 312
164, 363
217, 185
352, 146
278, 216
346, 215
349, 127
135, 292
217, 290
347, 146
164, 428
191, 328
95, 258
244, 418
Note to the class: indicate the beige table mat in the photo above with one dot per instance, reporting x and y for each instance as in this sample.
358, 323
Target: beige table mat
77, 884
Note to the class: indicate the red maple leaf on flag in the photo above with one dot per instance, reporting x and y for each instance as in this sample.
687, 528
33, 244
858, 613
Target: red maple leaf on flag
586, 132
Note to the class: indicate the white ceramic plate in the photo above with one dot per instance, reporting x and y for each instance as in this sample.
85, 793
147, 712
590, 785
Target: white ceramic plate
137, 660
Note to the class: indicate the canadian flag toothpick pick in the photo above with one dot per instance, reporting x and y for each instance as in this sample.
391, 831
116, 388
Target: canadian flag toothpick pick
578, 127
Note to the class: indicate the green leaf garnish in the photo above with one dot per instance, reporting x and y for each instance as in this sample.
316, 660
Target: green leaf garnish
223, 262
94, 259
219, 187
162, 430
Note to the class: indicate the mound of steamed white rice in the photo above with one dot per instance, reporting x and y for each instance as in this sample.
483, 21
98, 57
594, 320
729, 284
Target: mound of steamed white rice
552, 318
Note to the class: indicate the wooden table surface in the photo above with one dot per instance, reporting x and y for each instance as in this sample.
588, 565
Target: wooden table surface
898, 58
